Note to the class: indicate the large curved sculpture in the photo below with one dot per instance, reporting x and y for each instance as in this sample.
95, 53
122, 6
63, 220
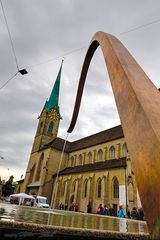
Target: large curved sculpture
138, 104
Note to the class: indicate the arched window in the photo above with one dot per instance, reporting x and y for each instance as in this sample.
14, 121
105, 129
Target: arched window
85, 187
130, 193
40, 128
74, 186
115, 188
39, 168
80, 159
32, 173
112, 152
99, 188
63, 189
124, 150
50, 128
89, 156
72, 161
100, 155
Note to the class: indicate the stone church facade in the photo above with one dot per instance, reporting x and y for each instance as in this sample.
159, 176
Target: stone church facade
94, 169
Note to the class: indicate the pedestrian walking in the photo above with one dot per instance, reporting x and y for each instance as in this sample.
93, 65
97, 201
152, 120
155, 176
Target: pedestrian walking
121, 212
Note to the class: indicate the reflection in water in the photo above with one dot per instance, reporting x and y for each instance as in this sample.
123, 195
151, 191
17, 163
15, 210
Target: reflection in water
69, 219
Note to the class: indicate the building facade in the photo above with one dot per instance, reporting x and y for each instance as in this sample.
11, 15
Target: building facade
94, 169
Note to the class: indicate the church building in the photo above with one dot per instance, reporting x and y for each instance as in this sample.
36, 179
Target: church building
94, 169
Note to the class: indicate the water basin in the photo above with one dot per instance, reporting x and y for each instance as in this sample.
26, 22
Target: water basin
9, 212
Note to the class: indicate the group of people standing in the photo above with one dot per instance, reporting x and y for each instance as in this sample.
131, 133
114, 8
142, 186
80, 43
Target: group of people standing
136, 214
74, 207
108, 211
133, 214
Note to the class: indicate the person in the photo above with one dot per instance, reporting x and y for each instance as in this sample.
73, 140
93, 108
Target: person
76, 208
32, 203
89, 207
61, 206
134, 214
121, 212
128, 214
141, 214
65, 207
72, 207
100, 209
111, 211
106, 210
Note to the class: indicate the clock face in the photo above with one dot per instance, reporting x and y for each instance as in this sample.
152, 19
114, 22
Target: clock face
55, 116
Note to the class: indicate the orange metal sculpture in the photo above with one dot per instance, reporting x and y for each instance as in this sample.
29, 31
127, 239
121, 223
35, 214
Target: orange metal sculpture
138, 104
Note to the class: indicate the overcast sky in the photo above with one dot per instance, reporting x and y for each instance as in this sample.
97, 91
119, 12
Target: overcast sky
44, 30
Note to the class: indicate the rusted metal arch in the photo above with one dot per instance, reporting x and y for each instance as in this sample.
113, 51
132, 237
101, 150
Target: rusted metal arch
138, 104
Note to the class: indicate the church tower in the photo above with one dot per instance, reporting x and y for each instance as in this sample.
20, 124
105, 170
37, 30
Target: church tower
41, 165
49, 118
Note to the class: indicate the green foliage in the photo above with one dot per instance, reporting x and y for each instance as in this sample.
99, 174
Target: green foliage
8, 187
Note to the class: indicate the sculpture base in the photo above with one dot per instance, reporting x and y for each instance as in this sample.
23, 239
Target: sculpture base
17, 230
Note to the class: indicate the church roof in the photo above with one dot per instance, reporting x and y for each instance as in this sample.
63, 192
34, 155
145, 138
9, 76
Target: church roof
95, 139
98, 138
109, 164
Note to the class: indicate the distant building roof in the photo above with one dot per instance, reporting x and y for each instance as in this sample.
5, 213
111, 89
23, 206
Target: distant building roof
95, 139
34, 184
109, 164
20, 181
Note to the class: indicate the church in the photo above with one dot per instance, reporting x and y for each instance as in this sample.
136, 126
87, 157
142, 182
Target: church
94, 169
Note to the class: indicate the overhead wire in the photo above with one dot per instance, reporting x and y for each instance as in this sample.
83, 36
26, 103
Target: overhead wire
55, 58
67, 53
9, 34
8, 80
78, 49
139, 27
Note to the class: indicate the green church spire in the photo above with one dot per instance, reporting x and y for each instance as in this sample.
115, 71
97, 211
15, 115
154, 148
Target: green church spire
54, 97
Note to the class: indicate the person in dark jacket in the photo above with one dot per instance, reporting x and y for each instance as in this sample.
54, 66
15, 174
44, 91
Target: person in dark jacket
106, 210
141, 214
128, 214
111, 211
89, 207
134, 214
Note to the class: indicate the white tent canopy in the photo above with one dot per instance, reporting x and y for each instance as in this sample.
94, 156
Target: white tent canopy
21, 197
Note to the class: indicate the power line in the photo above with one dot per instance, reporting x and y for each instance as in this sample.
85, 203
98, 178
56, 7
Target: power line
55, 58
78, 49
8, 80
65, 54
14, 53
139, 27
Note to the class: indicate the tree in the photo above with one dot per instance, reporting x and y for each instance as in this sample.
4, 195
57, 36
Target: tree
8, 187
